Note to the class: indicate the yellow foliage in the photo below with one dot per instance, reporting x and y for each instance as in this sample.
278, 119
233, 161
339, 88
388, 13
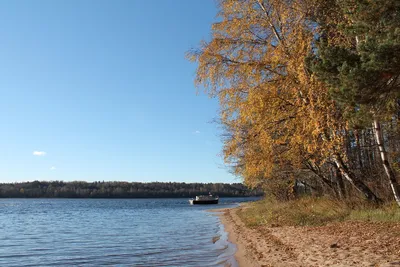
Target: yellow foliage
276, 115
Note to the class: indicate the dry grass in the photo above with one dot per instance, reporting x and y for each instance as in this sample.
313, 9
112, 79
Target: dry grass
387, 213
312, 212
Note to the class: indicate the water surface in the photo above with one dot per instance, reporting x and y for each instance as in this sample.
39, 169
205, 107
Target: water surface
121, 232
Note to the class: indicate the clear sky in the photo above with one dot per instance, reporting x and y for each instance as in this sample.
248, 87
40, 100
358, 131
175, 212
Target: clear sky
101, 90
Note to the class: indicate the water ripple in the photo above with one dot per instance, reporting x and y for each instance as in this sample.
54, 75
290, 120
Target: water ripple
123, 232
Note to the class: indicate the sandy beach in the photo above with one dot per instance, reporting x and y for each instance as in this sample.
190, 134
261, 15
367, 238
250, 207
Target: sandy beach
336, 244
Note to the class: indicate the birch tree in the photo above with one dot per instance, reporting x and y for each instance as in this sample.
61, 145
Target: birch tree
280, 118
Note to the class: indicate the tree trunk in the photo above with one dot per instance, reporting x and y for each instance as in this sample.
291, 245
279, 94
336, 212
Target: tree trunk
386, 165
355, 181
358, 148
340, 184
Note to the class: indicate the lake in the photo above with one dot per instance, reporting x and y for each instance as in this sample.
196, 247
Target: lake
114, 232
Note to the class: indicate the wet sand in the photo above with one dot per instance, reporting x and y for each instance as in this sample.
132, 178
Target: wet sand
336, 244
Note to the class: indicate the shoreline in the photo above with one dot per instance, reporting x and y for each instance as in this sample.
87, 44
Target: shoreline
340, 244
240, 255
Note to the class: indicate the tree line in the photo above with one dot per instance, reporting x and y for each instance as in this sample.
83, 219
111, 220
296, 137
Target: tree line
78, 189
309, 91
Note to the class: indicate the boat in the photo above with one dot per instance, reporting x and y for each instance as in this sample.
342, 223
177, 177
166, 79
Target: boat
204, 199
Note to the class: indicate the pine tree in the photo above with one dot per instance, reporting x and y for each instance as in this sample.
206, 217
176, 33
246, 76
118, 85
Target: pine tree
360, 60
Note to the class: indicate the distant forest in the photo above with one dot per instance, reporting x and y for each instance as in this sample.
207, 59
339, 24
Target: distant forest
78, 189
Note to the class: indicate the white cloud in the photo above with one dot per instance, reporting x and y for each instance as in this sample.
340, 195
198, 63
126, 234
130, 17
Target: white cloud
39, 153
53, 168
196, 132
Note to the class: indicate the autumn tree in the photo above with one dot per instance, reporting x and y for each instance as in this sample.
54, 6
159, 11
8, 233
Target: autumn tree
279, 118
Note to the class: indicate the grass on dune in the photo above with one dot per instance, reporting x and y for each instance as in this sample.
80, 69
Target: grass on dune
387, 213
312, 212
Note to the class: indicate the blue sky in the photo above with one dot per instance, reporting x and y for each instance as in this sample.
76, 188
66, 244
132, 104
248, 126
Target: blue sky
103, 89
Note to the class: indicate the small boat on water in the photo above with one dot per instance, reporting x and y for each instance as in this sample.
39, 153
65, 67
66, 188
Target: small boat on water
204, 199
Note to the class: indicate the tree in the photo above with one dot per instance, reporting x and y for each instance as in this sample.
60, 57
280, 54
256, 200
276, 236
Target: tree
277, 117
360, 60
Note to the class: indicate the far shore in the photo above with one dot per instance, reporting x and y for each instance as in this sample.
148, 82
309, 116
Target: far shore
335, 244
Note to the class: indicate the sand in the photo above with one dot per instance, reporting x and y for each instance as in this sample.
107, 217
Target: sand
336, 244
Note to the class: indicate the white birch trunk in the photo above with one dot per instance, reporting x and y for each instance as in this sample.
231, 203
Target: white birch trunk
386, 165
355, 181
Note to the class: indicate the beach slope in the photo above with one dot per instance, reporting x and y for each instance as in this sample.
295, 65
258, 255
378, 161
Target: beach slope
336, 244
